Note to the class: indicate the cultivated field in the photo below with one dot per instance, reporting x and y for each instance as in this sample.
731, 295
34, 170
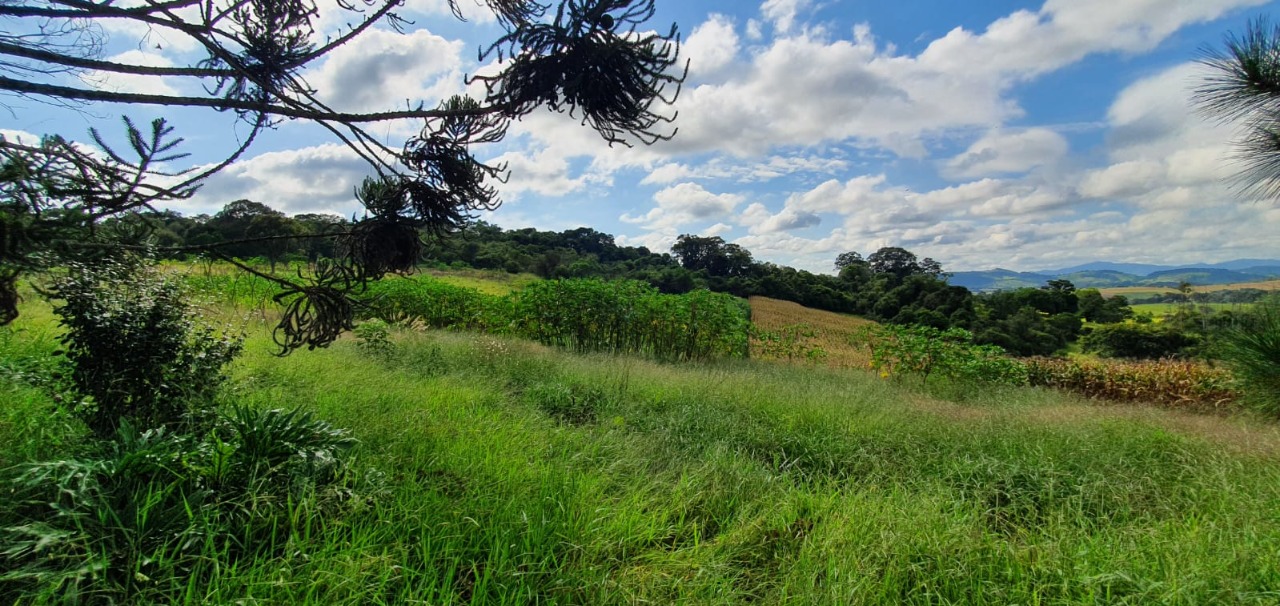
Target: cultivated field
832, 333
1135, 292
1160, 309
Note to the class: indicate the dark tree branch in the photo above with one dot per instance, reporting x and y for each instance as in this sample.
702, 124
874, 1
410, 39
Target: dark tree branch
81, 94
595, 60
17, 50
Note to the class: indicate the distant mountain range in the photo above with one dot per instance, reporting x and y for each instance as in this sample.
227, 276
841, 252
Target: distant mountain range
1105, 274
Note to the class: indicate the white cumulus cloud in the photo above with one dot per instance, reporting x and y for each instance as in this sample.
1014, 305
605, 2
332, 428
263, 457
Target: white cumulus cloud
1003, 152
683, 205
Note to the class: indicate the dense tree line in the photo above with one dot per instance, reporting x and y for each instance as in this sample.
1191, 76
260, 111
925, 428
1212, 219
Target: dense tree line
889, 285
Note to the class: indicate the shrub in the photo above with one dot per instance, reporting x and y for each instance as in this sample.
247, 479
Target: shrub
164, 484
924, 351
374, 338
133, 348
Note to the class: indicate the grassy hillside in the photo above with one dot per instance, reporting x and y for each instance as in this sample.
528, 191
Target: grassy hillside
747, 483
502, 472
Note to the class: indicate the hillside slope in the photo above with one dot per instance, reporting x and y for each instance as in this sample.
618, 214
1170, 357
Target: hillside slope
502, 472
829, 336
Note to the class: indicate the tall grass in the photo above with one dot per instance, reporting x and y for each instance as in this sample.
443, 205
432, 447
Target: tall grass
522, 475
633, 317
515, 473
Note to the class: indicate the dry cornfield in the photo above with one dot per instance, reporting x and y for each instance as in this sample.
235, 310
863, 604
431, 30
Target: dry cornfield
832, 332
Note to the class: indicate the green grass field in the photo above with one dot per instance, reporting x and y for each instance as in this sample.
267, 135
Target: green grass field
728, 483
1159, 309
489, 282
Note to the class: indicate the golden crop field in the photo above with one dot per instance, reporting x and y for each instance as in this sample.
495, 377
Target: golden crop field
1144, 291
832, 332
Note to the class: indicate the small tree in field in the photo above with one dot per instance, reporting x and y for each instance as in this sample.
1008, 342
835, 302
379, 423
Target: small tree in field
589, 58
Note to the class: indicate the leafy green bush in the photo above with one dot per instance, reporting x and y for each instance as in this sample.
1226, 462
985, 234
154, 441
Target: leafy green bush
164, 483
1252, 349
374, 338
133, 348
925, 351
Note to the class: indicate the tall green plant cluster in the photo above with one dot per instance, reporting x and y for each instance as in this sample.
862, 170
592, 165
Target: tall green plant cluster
224, 285
624, 316
435, 304
633, 317
925, 351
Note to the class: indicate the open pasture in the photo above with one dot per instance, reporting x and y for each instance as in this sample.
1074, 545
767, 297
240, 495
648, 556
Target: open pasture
1160, 309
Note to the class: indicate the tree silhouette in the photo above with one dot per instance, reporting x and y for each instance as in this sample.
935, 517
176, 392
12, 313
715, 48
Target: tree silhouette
1244, 87
847, 259
588, 58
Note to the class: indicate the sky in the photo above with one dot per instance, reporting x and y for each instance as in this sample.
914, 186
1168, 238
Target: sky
996, 133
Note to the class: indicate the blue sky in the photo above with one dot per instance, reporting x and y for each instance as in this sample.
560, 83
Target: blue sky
1015, 134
